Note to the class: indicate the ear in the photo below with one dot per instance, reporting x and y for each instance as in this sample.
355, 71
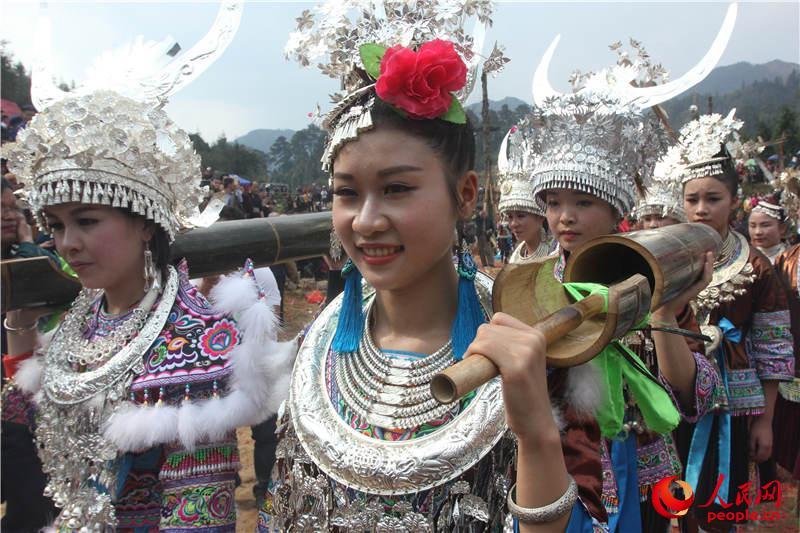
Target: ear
149, 231
467, 192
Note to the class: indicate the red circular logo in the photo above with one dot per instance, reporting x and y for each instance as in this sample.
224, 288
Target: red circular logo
668, 505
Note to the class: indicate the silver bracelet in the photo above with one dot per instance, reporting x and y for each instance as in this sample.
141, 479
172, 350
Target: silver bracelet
20, 329
548, 513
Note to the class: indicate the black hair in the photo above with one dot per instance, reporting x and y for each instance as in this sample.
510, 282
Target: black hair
729, 176
454, 143
226, 181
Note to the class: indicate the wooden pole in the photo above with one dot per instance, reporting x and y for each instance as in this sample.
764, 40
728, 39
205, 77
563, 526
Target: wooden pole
488, 200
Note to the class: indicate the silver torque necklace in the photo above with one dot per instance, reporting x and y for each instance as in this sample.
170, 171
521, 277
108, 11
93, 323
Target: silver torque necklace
388, 392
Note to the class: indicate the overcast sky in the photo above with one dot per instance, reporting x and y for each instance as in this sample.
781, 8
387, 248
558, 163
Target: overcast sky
252, 86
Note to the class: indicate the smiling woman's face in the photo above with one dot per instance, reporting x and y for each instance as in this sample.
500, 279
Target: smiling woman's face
102, 244
392, 207
764, 230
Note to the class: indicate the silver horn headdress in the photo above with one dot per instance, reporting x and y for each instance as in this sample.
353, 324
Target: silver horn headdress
599, 138
332, 34
109, 141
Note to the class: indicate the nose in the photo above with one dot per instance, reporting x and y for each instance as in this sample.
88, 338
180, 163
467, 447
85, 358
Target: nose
370, 218
566, 215
68, 242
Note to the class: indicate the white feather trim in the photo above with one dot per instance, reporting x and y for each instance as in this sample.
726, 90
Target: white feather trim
234, 294
29, 375
584, 390
559, 420
259, 382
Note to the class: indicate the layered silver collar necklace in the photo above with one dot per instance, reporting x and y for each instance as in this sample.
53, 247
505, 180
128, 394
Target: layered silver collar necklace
390, 392
76, 404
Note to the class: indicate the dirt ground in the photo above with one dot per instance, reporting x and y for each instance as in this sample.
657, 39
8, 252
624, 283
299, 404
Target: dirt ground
298, 313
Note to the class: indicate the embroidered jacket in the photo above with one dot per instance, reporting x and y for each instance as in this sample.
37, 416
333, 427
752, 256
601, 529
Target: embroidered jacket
203, 376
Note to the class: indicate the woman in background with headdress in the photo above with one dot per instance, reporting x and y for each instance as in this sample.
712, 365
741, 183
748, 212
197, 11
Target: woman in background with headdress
661, 204
786, 421
140, 389
518, 205
364, 445
745, 311
767, 226
595, 149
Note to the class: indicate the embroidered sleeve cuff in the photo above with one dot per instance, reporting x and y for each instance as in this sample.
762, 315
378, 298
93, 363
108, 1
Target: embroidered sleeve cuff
770, 346
707, 389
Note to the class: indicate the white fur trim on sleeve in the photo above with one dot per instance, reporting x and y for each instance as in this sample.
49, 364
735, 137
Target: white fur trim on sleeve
259, 382
28, 376
584, 390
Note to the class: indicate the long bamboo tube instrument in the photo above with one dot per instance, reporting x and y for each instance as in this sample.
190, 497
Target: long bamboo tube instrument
657, 265
464, 376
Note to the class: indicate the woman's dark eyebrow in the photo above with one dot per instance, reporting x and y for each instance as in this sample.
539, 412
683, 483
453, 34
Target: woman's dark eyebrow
399, 169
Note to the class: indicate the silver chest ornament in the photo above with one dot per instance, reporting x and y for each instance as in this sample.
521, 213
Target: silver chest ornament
74, 406
383, 467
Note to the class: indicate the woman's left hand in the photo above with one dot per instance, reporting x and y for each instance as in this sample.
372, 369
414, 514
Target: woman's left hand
518, 350
760, 439
668, 311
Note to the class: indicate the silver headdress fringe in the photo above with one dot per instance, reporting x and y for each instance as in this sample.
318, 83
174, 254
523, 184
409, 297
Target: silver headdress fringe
109, 141
771, 210
599, 139
330, 34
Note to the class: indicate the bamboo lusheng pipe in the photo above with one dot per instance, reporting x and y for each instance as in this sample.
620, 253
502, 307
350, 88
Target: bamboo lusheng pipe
469, 374
222, 247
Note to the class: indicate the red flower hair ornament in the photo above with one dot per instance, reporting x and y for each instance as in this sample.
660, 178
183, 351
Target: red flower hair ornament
419, 83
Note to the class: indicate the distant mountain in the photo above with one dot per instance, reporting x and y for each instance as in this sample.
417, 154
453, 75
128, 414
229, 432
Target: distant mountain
759, 103
727, 79
263, 139
497, 105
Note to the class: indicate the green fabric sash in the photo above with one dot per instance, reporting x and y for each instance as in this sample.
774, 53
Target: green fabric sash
618, 365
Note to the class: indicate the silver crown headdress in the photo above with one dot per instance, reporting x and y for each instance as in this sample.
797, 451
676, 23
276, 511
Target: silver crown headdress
515, 163
331, 34
772, 209
599, 139
663, 195
705, 146
109, 141
789, 181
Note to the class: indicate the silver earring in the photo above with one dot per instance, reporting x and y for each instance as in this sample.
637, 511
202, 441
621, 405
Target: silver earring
336, 247
151, 277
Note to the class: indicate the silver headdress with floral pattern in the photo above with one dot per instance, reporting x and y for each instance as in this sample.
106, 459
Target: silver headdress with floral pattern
706, 145
332, 34
109, 141
599, 139
662, 195
515, 163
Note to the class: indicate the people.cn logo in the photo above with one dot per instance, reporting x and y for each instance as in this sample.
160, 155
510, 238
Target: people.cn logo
668, 505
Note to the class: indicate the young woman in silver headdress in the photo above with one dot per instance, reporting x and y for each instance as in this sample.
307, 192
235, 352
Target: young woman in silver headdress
595, 144
363, 444
786, 421
140, 389
745, 310
518, 205
767, 226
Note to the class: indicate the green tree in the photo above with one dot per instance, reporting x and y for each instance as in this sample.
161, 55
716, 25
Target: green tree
16, 85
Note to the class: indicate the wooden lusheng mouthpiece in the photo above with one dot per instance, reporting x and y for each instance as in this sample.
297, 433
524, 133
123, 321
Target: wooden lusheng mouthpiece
643, 270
